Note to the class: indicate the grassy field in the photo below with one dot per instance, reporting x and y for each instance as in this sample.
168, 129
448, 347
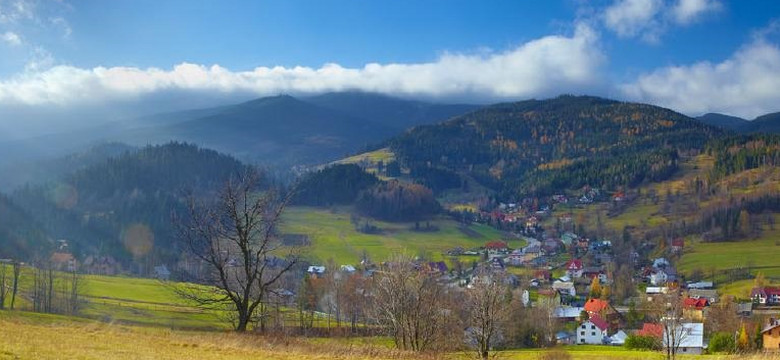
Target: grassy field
758, 254
334, 236
36, 336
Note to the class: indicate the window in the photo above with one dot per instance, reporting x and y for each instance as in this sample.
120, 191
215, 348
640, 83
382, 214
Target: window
582, 333
592, 333
582, 340
584, 327
593, 327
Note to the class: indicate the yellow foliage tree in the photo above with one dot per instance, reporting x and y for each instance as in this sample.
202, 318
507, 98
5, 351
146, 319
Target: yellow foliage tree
595, 287
743, 342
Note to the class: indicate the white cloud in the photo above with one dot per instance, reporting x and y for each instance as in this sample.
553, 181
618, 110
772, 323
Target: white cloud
649, 19
545, 66
11, 38
688, 11
746, 84
629, 18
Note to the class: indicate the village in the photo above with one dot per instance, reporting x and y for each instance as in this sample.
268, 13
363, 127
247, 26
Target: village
596, 294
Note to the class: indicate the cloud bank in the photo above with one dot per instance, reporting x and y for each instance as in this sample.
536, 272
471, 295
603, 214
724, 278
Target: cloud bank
545, 66
746, 84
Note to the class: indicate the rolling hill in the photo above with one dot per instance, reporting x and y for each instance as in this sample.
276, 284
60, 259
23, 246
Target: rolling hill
94, 206
723, 121
539, 147
388, 111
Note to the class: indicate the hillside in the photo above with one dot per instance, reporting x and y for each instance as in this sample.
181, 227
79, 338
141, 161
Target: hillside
388, 111
769, 123
20, 235
542, 147
723, 121
94, 206
42, 171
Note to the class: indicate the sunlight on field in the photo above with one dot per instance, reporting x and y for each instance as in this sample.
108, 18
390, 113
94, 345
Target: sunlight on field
334, 236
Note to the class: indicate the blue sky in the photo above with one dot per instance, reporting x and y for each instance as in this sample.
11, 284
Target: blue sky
694, 56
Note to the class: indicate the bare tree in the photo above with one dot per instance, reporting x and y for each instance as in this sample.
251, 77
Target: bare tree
669, 311
236, 238
488, 304
4, 286
412, 306
15, 287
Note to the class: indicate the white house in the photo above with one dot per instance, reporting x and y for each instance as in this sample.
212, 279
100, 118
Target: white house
658, 278
565, 287
592, 331
660, 263
618, 338
689, 336
574, 268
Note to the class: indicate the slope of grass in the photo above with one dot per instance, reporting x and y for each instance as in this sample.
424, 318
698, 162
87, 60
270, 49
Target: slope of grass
759, 254
334, 236
36, 336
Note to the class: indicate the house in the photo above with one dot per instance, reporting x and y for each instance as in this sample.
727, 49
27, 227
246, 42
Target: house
568, 238
593, 331
694, 308
162, 273
689, 336
574, 268
771, 335
658, 277
651, 329
677, 245
766, 295
549, 297
316, 270
565, 338
564, 287
660, 263
63, 261
496, 247
515, 258
568, 313
618, 338
348, 269
701, 285
710, 294
497, 263
601, 308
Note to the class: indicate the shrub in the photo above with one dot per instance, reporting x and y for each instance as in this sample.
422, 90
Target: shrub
638, 342
722, 342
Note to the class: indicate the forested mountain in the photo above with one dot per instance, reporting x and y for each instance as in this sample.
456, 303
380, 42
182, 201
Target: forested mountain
769, 123
94, 207
388, 111
541, 147
42, 171
723, 121
20, 236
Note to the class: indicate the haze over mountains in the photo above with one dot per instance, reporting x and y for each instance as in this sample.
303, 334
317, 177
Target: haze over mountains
277, 131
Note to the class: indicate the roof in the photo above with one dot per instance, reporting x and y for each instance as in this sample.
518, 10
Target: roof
765, 291
691, 335
698, 304
599, 322
596, 305
496, 245
574, 264
771, 326
619, 338
567, 312
651, 329
679, 242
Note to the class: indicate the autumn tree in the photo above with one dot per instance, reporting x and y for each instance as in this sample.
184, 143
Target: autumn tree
488, 305
236, 237
412, 306
595, 288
